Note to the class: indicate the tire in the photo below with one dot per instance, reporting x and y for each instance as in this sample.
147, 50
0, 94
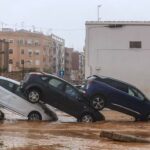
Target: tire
86, 118
34, 96
2, 115
98, 102
34, 116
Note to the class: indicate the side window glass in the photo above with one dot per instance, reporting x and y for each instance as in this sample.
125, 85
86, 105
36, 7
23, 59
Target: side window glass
71, 92
56, 83
134, 92
8, 85
130, 92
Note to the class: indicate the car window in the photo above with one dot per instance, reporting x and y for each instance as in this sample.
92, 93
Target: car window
56, 83
134, 92
116, 84
71, 92
7, 85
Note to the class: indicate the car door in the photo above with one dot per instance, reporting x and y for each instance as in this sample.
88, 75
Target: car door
73, 104
136, 100
5, 92
14, 100
55, 92
129, 100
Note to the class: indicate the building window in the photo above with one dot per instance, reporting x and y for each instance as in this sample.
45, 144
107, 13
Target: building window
22, 51
30, 52
37, 43
135, 44
21, 42
37, 62
10, 51
29, 41
10, 61
11, 41
22, 61
37, 52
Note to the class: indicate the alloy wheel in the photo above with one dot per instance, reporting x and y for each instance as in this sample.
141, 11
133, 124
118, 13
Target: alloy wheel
98, 103
34, 116
87, 118
34, 96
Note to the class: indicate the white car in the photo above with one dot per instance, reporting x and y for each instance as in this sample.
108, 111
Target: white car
12, 99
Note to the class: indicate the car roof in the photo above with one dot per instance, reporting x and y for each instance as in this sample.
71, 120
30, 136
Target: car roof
116, 80
51, 75
10, 80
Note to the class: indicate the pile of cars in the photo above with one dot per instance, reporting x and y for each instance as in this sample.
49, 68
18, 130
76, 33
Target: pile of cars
83, 102
59, 94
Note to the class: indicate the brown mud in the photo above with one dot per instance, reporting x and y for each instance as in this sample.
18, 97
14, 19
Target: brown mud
69, 135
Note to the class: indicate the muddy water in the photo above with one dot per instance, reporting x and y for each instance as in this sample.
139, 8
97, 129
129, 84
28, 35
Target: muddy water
66, 134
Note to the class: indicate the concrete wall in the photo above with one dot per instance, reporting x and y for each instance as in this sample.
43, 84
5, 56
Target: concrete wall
108, 53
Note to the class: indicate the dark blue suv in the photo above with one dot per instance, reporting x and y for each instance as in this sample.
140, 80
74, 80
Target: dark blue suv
59, 94
117, 95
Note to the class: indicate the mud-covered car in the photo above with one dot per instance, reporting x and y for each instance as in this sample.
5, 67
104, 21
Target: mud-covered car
59, 94
12, 99
117, 95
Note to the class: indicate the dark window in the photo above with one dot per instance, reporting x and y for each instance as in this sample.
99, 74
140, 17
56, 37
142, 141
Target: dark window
134, 92
10, 51
71, 92
22, 61
56, 83
22, 51
135, 44
7, 85
116, 84
10, 61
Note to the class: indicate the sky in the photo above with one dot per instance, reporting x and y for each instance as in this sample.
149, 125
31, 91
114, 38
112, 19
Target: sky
66, 18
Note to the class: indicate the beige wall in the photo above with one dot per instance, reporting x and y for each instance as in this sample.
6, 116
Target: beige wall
108, 52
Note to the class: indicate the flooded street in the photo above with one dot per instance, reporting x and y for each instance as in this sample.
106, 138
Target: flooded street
67, 134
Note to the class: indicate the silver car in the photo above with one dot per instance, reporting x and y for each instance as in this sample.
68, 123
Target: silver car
12, 99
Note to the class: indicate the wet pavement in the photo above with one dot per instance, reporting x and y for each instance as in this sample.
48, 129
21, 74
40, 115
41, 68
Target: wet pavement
66, 134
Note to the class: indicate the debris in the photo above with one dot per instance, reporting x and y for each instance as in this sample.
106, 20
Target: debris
123, 137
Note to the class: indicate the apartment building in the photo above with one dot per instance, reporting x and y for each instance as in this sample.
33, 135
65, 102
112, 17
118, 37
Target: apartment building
4, 55
28, 50
57, 55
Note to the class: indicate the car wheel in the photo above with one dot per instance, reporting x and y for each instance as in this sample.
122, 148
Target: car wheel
34, 116
98, 102
1, 115
86, 118
34, 96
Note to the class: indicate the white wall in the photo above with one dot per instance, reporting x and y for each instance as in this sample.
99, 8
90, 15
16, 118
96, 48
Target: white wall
108, 53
